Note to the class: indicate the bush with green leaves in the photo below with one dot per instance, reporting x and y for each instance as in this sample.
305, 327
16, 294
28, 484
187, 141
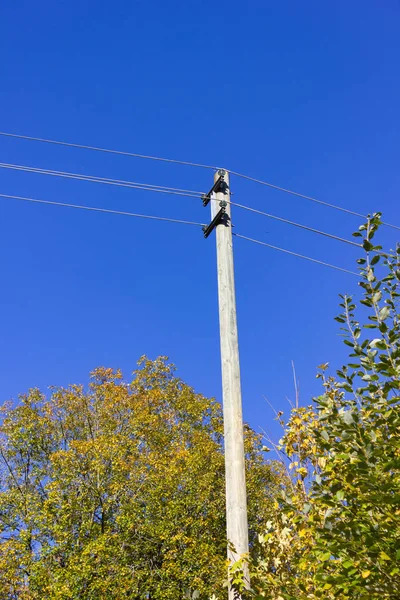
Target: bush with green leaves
336, 532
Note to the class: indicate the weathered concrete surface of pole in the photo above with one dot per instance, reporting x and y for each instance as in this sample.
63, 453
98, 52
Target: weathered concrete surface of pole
236, 501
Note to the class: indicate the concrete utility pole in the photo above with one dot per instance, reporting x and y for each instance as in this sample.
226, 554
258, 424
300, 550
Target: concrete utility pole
236, 501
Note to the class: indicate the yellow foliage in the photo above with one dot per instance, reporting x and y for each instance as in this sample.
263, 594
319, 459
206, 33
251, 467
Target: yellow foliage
118, 491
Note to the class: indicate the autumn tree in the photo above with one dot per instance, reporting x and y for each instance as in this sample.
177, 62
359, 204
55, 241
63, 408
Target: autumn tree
118, 491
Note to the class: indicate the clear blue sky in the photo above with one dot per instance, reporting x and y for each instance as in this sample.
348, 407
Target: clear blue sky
303, 94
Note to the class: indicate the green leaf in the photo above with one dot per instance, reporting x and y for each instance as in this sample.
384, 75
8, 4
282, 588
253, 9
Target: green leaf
384, 556
378, 343
376, 297
384, 313
348, 417
366, 303
383, 327
348, 343
325, 556
325, 435
367, 246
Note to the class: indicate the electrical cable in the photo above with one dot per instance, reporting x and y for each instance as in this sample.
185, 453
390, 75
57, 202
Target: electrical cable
98, 149
320, 262
103, 210
167, 190
104, 180
324, 233
293, 193
287, 191
191, 164
170, 220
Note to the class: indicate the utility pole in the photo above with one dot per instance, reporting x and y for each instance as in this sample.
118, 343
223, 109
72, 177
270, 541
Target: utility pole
236, 501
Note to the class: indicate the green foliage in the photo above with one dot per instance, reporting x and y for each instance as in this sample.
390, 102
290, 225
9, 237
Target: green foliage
118, 492
336, 533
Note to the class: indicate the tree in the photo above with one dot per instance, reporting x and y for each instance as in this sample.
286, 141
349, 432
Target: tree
336, 531
118, 491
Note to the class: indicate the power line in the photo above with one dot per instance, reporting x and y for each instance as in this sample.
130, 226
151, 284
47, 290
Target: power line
320, 262
166, 190
103, 210
287, 191
324, 233
191, 164
167, 219
145, 185
104, 180
311, 198
98, 149
160, 189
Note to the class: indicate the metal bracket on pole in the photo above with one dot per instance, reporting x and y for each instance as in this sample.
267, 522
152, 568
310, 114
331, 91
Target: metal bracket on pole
207, 229
219, 185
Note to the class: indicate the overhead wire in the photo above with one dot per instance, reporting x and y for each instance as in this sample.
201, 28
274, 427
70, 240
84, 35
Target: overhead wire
287, 191
192, 164
311, 198
320, 262
145, 185
167, 219
107, 150
104, 180
102, 210
166, 190
288, 222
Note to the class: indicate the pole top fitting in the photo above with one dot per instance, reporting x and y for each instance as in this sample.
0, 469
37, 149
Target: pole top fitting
219, 185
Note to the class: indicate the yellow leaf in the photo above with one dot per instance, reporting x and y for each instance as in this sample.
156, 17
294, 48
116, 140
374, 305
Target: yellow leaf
384, 556
302, 533
302, 471
365, 574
